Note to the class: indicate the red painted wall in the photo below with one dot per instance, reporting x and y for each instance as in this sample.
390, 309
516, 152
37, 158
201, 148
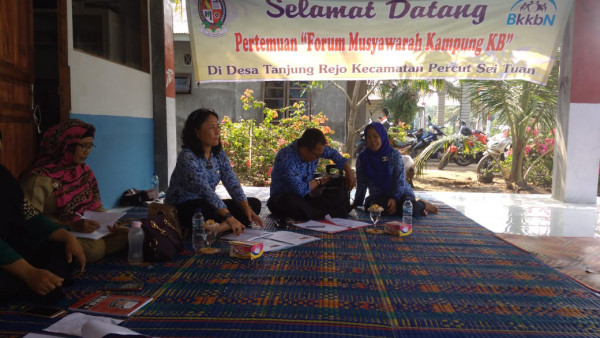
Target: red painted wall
585, 81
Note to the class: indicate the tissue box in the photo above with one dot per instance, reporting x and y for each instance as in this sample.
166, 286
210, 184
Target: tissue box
397, 228
245, 250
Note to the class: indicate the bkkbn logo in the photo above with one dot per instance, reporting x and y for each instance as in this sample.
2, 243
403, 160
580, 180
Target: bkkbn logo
532, 13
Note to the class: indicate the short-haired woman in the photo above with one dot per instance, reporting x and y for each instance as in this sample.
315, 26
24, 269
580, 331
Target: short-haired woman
201, 165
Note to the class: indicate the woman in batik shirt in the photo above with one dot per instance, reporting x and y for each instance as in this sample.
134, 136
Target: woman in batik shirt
201, 165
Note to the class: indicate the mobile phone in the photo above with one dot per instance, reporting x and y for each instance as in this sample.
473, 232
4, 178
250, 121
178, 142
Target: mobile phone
123, 286
42, 311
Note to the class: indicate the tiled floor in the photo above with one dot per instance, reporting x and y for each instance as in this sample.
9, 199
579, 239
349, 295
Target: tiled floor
525, 214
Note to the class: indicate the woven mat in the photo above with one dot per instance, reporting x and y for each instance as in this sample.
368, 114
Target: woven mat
449, 278
576, 257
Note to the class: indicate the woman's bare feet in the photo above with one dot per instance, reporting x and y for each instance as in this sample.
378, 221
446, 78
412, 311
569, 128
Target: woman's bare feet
430, 208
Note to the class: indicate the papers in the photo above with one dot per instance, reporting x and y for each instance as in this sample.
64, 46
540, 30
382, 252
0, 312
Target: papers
332, 225
82, 325
73, 323
272, 241
104, 218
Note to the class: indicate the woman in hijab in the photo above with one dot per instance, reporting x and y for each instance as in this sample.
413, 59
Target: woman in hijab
380, 168
36, 255
63, 186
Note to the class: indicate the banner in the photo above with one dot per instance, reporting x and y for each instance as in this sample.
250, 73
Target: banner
257, 40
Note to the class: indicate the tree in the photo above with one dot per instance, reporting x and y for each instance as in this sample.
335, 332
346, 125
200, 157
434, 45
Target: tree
355, 100
523, 106
402, 96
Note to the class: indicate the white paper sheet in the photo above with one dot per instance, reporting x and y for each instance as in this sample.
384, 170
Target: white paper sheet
321, 227
73, 323
332, 225
269, 245
272, 241
293, 238
247, 235
104, 218
349, 223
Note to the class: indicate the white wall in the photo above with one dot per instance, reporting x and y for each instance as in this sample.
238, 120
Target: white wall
118, 101
100, 87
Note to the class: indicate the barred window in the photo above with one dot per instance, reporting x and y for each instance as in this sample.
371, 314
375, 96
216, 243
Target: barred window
280, 94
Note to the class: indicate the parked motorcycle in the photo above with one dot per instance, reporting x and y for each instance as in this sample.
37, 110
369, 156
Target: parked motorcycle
424, 139
495, 152
459, 149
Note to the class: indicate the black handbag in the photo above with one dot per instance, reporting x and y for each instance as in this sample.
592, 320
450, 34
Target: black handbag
162, 238
335, 197
133, 197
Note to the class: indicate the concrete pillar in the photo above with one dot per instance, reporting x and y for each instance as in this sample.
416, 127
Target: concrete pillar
465, 104
577, 145
163, 89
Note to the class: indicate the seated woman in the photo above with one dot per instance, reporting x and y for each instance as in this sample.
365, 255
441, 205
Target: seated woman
380, 168
200, 166
63, 187
36, 255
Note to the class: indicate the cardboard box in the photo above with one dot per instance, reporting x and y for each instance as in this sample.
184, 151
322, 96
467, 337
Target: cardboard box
397, 228
245, 250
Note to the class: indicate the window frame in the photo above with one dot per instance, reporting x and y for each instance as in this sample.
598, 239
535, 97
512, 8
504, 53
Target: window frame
287, 100
144, 59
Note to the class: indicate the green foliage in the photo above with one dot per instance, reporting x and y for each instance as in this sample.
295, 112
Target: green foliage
252, 146
401, 99
397, 133
524, 107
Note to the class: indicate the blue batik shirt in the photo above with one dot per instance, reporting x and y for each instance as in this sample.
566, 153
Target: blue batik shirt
398, 187
292, 174
196, 178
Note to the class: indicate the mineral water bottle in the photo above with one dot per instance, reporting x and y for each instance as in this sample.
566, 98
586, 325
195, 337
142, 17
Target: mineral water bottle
198, 233
136, 244
407, 211
155, 182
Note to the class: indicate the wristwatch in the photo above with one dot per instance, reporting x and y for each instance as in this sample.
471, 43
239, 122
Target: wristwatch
227, 215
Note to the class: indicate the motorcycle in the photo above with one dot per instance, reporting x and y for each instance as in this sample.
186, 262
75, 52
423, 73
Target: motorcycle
425, 139
495, 152
459, 149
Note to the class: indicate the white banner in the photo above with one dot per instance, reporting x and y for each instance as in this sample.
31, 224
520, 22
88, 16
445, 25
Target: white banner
257, 40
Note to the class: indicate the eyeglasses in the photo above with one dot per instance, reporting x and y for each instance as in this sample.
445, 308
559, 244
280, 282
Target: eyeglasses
87, 146
316, 155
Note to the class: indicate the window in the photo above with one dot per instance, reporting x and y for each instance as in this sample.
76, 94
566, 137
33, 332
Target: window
187, 59
116, 30
280, 94
183, 83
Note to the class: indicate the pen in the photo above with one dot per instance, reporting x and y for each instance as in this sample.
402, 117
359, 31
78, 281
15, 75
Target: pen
80, 215
315, 226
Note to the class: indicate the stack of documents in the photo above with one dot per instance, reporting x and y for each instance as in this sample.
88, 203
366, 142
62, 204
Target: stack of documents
332, 225
272, 241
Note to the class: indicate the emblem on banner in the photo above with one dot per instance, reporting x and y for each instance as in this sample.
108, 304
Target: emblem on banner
532, 13
212, 14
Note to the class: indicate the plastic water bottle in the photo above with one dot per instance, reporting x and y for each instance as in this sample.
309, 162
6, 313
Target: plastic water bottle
198, 233
407, 211
155, 182
136, 244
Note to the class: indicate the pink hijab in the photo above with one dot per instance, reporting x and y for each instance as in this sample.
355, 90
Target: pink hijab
75, 185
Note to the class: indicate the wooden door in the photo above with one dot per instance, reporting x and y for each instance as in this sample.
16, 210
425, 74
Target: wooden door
19, 143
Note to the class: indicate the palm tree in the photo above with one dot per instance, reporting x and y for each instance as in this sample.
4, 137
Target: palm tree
402, 96
523, 106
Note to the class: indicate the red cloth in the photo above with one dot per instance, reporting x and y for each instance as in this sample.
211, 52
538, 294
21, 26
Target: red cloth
75, 185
